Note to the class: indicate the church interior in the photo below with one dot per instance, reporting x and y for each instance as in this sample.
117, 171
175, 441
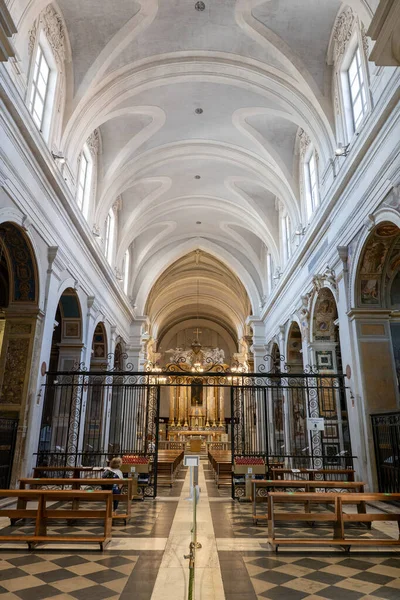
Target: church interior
200, 299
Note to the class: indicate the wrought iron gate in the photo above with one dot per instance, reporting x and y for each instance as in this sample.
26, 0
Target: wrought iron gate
273, 418
89, 417
386, 432
8, 434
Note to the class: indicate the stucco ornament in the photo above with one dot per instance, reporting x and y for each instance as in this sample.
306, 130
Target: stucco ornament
342, 32
304, 142
93, 142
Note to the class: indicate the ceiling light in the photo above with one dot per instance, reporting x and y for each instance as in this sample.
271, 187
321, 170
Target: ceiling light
59, 157
200, 6
198, 111
197, 177
342, 150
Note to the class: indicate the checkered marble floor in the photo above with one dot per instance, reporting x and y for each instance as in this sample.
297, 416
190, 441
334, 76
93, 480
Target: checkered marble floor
240, 517
66, 576
328, 577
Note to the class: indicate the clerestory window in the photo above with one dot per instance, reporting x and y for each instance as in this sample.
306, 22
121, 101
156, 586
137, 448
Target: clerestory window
84, 182
357, 92
40, 87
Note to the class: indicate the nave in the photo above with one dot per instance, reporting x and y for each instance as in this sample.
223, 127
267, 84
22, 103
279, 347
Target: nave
145, 558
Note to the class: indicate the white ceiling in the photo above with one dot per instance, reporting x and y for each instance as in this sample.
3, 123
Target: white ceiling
139, 70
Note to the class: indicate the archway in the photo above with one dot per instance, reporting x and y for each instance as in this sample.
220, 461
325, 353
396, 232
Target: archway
376, 321
18, 324
61, 407
327, 358
296, 409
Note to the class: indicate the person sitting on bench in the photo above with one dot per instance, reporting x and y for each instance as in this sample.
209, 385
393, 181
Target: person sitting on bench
113, 472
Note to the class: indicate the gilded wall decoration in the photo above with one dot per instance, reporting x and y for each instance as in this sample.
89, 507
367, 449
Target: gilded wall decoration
23, 272
14, 371
72, 329
372, 263
20, 328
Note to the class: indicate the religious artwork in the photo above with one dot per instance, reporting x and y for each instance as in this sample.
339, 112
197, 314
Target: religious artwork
369, 291
71, 329
372, 286
15, 369
22, 265
196, 394
204, 355
325, 314
324, 359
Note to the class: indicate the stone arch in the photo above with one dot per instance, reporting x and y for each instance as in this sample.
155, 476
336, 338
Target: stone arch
20, 325
325, 332
99, 347
294, 355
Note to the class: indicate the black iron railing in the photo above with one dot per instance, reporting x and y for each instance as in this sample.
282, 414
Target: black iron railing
386, 432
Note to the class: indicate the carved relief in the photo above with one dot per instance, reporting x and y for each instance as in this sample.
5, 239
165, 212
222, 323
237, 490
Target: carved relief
304, 142
342, 32
32, 38
54, 30
20, 328
14, 372
93, 142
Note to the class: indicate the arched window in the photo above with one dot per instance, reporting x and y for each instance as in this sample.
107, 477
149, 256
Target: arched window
43, 86
287, 250
109, 235
126, 270
84, 181
311, 183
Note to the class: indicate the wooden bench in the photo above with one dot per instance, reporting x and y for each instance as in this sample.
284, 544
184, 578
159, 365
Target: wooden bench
278, 473
76, 484
168, 464
42, 514
75, 471
308, 486
221, 464
338, 518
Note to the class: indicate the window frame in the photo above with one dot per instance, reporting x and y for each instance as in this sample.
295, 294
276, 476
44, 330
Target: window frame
361, 94
42, 45
83, 191
349, 125
312, 195
109, 235
127, 260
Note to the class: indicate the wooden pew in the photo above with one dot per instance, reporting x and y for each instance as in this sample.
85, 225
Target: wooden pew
338, 518
76, 484
308, 486
221, 464
278, 473
168, 465
41, 514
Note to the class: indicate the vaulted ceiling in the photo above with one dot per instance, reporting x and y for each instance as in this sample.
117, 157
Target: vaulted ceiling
198, 113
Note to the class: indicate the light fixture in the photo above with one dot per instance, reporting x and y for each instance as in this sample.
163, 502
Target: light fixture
59, 158
277, 274
96, 231
342, 150
198, 111
300, 230
200, 6
197, 177
198, 222
118, 275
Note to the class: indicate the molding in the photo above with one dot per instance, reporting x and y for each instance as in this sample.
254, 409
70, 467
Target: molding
7, 30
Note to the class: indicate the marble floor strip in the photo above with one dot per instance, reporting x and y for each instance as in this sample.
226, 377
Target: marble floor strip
173, 576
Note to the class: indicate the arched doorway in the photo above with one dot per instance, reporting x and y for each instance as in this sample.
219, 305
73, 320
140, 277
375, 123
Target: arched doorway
96, 410
377, 330
18, 324
334, 440
296, 406
62, 405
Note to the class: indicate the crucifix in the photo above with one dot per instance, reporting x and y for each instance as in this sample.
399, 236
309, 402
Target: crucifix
197, 332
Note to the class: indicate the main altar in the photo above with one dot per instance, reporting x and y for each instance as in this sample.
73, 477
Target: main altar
196, 409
